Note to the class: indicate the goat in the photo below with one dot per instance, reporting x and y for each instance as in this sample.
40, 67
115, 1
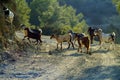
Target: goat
73, 35
108, 38
91, 32
9, 15
83, 40
62, 38
32, 33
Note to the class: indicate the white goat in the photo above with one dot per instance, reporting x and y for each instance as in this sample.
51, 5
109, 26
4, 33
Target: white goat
108, 38
9, 15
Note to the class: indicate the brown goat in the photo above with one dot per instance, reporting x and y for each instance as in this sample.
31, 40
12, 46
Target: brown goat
62, 38
83, 40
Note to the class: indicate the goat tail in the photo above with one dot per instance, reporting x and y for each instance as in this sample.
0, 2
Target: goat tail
113, 36
100, 30
40, 30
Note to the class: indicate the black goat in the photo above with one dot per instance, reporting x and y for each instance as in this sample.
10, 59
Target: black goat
91, 32
33, 33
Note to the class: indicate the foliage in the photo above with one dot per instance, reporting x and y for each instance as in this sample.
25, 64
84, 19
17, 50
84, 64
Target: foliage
4, 28
52, 17
117, 4
65, 29
115, 21
81, 27
23, 12
97, 12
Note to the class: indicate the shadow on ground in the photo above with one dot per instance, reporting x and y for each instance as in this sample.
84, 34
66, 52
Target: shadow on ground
99, 73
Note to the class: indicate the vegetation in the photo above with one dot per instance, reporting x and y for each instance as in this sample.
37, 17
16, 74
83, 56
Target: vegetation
95, 11
21, 11
98, 12
117, 4
53, 18
59, 16
4, 29
24, 60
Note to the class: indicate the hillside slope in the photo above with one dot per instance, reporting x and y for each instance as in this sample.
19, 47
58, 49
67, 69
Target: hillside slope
63, 65
96, 12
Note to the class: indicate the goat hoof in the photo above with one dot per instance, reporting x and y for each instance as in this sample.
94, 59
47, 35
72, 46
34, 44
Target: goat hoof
68, 47
89, 53
50, 53
56, 49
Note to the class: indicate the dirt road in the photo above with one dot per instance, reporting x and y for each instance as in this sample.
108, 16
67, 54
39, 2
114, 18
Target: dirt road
64, 65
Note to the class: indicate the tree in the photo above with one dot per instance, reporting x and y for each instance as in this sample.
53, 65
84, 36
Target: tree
23, 11
52, 17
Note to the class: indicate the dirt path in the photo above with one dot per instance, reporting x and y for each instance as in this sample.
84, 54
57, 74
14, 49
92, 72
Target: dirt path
100, 66
65, 65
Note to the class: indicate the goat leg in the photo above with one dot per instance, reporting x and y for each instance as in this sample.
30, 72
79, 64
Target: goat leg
88, 51
80, 45
68, 45
36, 41
100, 40
29, 39
79, 49
72, 44
57, 45
41, 41
24, 37
91, 38
61, 46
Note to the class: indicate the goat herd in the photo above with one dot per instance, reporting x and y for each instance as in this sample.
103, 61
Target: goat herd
82, 39
71, 37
